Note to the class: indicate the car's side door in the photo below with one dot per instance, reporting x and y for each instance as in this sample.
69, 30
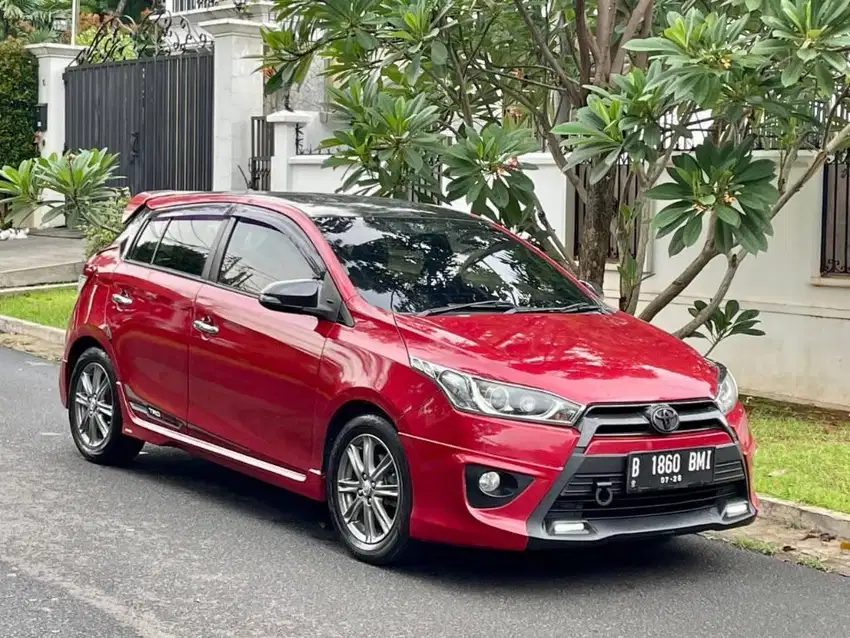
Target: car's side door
253, 372
149, 314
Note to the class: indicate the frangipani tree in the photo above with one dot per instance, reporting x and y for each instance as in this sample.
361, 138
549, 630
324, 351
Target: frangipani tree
770, 72
685, 91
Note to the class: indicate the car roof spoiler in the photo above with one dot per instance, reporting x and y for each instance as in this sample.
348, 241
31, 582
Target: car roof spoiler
140, 199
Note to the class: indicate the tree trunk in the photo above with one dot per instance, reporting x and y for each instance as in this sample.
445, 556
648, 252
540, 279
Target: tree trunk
121, 8
596, 231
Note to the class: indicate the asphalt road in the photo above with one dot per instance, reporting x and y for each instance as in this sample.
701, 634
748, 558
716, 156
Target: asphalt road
176, 546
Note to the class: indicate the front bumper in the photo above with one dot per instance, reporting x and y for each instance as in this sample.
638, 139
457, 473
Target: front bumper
442, 511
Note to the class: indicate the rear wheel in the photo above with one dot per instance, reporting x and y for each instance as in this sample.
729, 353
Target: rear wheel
95, 413
368, 490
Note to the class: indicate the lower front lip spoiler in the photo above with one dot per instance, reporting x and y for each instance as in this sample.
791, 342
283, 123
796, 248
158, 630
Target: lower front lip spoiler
562, 532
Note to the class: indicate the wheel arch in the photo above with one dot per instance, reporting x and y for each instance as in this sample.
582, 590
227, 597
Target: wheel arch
345, 413
78, 347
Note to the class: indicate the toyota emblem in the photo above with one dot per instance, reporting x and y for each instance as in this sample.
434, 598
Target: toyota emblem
663, 418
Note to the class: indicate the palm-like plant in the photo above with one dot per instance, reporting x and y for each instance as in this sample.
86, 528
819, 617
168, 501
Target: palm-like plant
81, 180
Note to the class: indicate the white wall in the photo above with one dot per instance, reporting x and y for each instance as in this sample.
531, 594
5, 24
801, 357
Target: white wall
805, 355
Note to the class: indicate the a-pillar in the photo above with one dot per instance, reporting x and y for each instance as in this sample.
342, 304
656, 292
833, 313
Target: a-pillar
53, 59
237, 96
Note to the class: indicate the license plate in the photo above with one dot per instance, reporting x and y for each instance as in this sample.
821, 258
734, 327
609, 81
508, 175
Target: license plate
669, 469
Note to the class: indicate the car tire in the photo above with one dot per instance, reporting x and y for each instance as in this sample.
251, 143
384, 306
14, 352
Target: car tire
386, 539
94, 412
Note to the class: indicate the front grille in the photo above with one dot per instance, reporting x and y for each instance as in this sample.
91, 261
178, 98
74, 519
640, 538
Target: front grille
631, 420
576, 500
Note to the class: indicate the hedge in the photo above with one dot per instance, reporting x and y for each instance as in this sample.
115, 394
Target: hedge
18, 96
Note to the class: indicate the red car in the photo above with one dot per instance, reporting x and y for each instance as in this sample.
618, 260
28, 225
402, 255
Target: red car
429, 374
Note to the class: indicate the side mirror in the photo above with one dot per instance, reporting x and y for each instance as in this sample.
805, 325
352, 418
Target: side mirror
314, 297
596, 289
298, 296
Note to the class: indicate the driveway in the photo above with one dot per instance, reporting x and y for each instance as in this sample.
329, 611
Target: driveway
175, 546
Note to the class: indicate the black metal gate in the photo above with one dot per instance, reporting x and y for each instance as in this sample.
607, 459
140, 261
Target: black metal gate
155, 111
835, 223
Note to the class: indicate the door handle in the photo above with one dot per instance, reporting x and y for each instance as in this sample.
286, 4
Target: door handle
203, 326
121, 299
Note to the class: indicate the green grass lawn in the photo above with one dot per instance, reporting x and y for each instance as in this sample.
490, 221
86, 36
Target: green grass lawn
51, 307
803, 453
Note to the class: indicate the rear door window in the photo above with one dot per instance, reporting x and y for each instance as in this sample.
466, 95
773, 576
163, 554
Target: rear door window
186, 245
148, 241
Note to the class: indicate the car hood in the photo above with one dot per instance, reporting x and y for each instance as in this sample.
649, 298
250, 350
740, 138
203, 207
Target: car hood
588, 358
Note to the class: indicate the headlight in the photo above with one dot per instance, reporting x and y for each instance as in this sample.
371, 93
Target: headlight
727, 389
473, 394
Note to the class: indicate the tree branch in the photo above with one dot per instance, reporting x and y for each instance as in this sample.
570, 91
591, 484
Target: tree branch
542, 46
604, 31
681, 282
587, 45
832, 111
641, 14
734, 261
820, 159
632, 296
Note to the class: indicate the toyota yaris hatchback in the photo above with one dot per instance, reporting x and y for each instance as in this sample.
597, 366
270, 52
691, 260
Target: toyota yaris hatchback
427, 373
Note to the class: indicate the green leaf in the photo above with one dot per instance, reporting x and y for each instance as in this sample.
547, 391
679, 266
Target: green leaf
599, 171
413, 159
728, 215
732, 308
753, 5
758, 170
792, 73
439, 53
807, 55
747, 315
671, 215
724, 240
651, 45
500, 194
692, 230
670, 190
677, 242
824, 78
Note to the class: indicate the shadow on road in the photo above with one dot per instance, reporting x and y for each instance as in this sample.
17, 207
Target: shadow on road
605, 565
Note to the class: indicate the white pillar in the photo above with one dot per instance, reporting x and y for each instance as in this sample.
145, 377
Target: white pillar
284, 146
53, 59
238, 95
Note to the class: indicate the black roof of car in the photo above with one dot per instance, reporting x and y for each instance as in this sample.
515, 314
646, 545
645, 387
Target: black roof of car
326, 205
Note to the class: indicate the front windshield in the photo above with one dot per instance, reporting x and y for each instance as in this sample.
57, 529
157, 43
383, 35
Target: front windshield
409, 264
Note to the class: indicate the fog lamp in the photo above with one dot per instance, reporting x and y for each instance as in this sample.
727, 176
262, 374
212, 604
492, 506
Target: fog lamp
489, 482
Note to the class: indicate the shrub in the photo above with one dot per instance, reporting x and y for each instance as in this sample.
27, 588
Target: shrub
99, 236
18, 96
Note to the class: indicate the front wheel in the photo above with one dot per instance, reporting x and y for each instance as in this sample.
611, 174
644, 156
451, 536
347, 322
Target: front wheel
369, 491
95, 413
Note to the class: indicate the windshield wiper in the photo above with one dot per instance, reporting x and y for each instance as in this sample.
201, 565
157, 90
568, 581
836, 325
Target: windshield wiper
494, 304
577, 307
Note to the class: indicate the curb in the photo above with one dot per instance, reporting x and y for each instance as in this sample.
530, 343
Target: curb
15, 291
67, 272
56, 336
805, 516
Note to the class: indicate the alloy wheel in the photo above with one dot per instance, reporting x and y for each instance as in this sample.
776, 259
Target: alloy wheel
368, 489
93, 405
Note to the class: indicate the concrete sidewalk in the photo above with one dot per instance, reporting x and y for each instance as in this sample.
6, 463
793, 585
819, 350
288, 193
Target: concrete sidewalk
40, 260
